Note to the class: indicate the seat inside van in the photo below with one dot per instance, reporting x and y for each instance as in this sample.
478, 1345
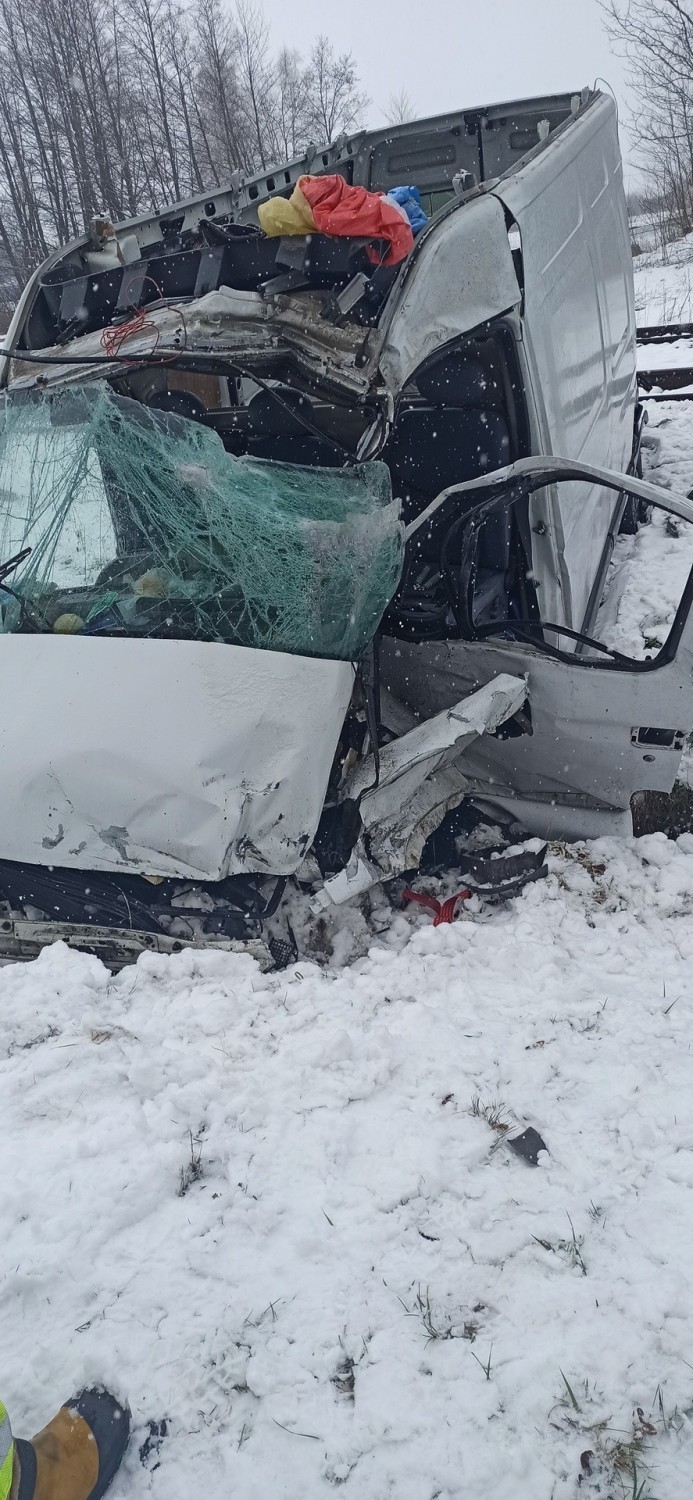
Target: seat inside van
456, 422
456, 431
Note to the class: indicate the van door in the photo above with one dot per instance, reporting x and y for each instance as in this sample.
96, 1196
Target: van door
608, 714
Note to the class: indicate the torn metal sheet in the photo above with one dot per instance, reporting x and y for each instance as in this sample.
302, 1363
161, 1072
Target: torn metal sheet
421, 779
222, 324
428, 745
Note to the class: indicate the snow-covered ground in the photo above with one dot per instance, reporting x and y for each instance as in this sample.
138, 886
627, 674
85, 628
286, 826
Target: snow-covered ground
648, 574
649, 571
281, 1213
666, 356
664, 293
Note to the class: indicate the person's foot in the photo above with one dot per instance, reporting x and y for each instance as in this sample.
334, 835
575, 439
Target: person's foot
76, 1456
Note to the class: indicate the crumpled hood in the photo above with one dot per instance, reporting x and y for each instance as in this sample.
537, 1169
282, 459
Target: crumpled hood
156, 757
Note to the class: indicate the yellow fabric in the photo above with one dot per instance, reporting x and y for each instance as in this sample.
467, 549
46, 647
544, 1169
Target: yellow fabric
281, 216
6, 1454
6, 1471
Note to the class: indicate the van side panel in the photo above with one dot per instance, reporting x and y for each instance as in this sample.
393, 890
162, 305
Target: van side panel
579, 323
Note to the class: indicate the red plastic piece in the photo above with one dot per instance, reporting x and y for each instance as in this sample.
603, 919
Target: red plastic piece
444, 910
339, 209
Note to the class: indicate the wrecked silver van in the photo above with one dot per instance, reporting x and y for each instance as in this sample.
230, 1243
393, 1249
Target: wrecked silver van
300, 552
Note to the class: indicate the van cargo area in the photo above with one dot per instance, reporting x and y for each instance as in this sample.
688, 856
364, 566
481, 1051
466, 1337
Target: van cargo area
306, 558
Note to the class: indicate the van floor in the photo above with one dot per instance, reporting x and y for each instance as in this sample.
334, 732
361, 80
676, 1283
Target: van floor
282, 1215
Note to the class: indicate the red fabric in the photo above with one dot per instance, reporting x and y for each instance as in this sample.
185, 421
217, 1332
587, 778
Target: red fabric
339, 209
444, 911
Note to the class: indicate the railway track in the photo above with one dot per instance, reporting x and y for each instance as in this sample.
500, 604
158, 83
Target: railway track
657, 379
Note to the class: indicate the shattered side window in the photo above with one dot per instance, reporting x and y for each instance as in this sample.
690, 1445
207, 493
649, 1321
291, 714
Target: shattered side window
139, 523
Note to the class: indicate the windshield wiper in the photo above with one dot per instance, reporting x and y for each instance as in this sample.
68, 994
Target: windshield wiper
13, 562
5, 569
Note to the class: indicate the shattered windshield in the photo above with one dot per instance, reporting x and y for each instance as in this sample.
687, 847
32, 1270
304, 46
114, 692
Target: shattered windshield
140, 523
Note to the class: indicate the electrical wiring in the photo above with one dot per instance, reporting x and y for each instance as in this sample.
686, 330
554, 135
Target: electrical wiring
113, 338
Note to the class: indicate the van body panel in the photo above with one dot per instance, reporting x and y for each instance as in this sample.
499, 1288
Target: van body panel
579, 324
461, 276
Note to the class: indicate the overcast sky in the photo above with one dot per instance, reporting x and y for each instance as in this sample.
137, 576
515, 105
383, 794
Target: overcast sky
452, 53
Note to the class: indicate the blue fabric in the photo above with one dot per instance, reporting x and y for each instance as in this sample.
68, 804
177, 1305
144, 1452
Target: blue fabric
409, 199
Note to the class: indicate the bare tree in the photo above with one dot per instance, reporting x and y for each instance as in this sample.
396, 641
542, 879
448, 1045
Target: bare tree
215, 99
152, 25
335, 102
399, 109
116, 106
656, 37
257, 77
291, 106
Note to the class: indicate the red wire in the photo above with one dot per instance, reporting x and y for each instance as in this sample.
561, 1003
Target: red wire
421, 900
447, 910
444, 911
112, 339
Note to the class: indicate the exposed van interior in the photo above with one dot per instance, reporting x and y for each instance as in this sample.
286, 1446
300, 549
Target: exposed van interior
296, 399
195, 247
461, 417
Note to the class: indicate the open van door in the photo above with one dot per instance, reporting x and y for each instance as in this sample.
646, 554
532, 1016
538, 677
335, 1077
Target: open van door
608, 713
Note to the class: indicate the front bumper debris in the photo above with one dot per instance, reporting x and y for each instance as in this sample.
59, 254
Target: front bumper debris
115, 946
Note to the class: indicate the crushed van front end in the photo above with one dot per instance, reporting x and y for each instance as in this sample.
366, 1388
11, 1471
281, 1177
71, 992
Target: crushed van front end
288, 570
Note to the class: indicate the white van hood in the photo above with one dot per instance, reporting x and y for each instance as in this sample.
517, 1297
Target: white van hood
172, 758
